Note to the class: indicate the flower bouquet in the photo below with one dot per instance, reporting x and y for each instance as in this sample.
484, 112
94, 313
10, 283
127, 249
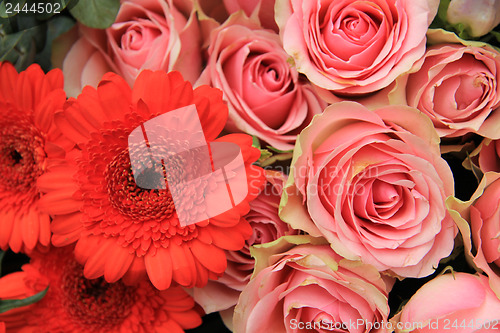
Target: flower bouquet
249, 166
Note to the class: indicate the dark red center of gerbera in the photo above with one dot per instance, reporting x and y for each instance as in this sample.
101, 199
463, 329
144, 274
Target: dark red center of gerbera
132, 200
21, 156
95, 303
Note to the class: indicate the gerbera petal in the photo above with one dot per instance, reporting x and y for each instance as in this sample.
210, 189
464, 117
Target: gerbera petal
31, 228
114, 96
57, 177
118, 262
44, 114
55, 78
64, 224
171, 326
44, 237
9, 77
67, 238
86, 246
228, 238
162, 93
16, 237
213, 112
60, 201
14, 286
6, 225
136, 271
213, 258
185, 319
94, 267
159, 269
201, 273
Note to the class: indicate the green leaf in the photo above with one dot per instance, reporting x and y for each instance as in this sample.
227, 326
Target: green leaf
20, 47
55, 27
276, 150
9, 304
98, 14
264, 155
255, 142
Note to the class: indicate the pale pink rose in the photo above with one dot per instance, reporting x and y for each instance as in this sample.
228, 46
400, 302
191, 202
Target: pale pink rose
265, 95
354, 47
489, 155
478, 16
373, 183
262, 9
300, 283
479, 222
455, 302
456, 85
147, 34
267, 227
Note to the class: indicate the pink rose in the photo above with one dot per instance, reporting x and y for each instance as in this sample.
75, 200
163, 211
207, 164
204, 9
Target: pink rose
479, 222
456, 302
373, 183
300, 283
354, 47
478, 16
456, 85
263, 9
267, 227
148, 34
265, 95
489, 155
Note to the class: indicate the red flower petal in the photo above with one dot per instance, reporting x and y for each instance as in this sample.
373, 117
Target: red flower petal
211, 257
159, 269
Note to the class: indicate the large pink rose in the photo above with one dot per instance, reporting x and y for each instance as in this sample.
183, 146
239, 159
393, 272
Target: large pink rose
301, 285
147, 34
374, 184
267, 227
479, 223
457, 86
455, 302
265, 95
354, 47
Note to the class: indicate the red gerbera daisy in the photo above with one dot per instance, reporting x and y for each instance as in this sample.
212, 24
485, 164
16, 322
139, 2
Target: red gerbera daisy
121, 229
28, 101
75, 304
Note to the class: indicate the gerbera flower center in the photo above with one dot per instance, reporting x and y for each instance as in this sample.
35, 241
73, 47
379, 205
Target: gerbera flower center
21, 155
132, 200
95, 303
